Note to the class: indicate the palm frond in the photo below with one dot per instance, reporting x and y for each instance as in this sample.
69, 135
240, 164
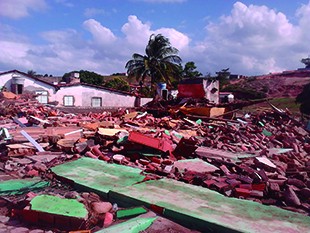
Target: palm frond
161, 62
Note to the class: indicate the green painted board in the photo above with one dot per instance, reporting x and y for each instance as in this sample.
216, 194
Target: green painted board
267, 133
134, 225
98, 176
207, 210
130, 212
60, 206
192, 206
21, 186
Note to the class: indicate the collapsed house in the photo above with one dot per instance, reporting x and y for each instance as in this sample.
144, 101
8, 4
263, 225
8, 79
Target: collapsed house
199, 88
111, 172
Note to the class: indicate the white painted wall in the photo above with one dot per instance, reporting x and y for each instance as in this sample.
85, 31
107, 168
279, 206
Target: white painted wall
5, 81
145, 100
29, 84
83, 95
212, 96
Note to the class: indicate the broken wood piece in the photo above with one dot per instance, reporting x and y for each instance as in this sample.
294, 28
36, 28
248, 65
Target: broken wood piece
18, 122
73, 132
265, 163
32, 141
110, 132
40, 120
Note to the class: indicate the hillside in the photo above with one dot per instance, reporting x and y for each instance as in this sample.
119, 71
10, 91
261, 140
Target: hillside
286, 84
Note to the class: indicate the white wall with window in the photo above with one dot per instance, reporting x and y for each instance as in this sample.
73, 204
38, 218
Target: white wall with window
96, 102
68, 100
83, 95
42, 96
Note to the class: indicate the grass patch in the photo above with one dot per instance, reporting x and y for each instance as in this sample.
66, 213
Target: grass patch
288, 103
281, 103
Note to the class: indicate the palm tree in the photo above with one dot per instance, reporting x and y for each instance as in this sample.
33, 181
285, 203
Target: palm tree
160, 63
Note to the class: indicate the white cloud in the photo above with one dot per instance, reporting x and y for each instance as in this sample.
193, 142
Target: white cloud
15, 53
304, 21
17, 9
176, 38
138, 33
250, 40
101, 34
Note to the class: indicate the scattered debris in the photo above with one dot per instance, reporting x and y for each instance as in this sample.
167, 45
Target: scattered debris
261, 157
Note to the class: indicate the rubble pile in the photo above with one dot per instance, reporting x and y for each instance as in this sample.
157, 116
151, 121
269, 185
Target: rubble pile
261, 157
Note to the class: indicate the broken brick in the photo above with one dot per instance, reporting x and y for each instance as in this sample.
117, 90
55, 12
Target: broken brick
233, 182
245, 179
160, 144
208, 183
257, 193
221, 186
296, 182
242, 192
274, 187
290, 197
259, 187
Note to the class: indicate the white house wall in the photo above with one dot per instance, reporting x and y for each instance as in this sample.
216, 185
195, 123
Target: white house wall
209, 86
145, 100
84, 94
30, 84
6, 81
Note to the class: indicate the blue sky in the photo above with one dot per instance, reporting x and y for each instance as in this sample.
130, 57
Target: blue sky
249, 37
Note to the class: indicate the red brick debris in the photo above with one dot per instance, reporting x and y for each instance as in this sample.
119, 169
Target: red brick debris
263, 157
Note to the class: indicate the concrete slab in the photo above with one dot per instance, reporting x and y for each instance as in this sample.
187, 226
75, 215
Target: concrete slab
21, 186
130, 212
60, 206
206, 210
98, 176
162, 224
191, 206
134, 225
195, 165
206, 152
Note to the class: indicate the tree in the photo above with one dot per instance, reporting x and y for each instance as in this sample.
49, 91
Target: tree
190, 71
118, 84
31, 73
223, 77
244, 93
161, 62
304, 99
86, 77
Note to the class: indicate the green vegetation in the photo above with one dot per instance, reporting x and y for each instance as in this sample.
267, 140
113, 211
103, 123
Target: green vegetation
31, 73
223, 77
147, 91
189, 70
118, 84
244, 93
304, 99
282, 103
161, 62
86, 77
